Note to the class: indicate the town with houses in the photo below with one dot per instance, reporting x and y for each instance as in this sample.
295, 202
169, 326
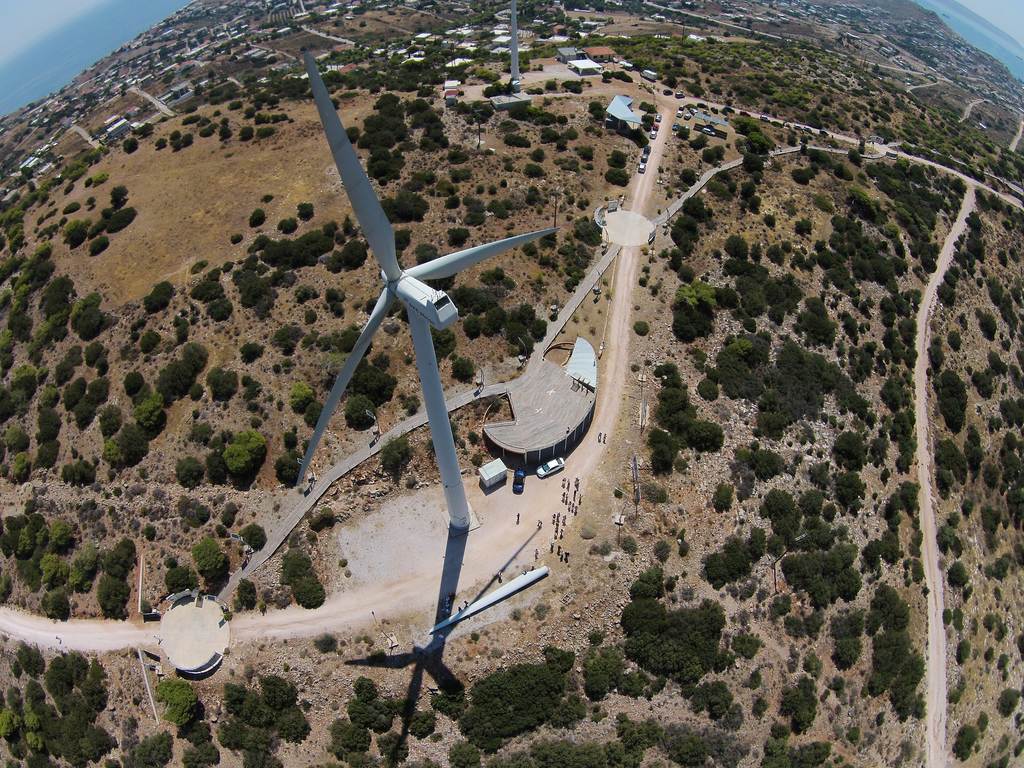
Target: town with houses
209, 45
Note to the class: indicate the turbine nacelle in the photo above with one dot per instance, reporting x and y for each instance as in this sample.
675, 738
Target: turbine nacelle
433, 305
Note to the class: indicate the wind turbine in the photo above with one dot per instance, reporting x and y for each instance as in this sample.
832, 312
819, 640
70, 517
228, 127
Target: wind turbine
426, 307
514, 48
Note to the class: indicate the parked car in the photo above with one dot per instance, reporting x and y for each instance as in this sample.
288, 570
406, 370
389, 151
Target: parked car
679, 112
642, 168
519, 481
667, 92
654, 133
675, 127
551, 467
646, 152
657, 118
680, 95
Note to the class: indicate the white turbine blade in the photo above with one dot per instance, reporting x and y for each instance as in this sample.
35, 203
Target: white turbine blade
369, 212
446, 266
377, 316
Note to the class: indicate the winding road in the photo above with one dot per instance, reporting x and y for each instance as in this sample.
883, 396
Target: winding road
970, 106
936, 667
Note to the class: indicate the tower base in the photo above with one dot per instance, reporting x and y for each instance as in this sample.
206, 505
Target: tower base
505, 102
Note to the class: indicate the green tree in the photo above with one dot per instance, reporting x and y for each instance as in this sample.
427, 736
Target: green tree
189, 471
210, 560
254, 535
301, 396
180, 700
245, 454
395, 455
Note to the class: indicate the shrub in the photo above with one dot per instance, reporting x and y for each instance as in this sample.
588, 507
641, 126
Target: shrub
159, 297
617, 176
180, 700
189, 471
395, 455
966, 738
254, 535
245, 454
258, 216
801, 704
462, 368
98, 244
210, 560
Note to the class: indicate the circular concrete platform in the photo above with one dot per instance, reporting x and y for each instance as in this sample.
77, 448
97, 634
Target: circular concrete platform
627, 228
194, 634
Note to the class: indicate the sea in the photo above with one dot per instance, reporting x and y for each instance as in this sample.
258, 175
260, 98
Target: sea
56, 59
980, 33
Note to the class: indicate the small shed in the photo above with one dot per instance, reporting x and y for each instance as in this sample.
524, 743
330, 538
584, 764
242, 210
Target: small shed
492, 474
567, 54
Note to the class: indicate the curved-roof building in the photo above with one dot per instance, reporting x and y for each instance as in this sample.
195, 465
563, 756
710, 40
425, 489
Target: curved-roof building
551, 409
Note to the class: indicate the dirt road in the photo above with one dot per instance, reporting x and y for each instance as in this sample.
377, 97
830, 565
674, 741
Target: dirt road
75, 635
1016, 139
936, 670
970, 106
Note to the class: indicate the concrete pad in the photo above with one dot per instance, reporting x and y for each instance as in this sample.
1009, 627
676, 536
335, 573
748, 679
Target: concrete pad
193, 634
627, 228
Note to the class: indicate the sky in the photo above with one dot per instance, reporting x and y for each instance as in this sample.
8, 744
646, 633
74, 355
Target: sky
1007, 15
26, 21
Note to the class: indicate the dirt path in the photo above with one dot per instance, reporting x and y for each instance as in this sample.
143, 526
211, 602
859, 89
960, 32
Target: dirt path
75, 635
936, 670
967, 109
1016, 139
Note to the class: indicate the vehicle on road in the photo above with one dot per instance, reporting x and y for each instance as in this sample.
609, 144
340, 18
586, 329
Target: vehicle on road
550, 467
519, 481
657, 118
646, 152
680, 95
642, 168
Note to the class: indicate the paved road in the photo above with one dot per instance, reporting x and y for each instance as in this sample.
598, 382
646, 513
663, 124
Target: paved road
936, 669
160, 106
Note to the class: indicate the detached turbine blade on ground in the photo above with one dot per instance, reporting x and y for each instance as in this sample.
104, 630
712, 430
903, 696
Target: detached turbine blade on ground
376, 227
446, 266
377, 316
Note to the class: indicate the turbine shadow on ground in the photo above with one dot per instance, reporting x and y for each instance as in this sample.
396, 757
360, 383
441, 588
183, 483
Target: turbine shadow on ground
430, 657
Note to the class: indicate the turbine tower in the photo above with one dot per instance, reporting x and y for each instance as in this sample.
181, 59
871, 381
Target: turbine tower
426, 307
514, 47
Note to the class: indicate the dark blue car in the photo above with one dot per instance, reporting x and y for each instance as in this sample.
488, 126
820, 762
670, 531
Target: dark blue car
519, 481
